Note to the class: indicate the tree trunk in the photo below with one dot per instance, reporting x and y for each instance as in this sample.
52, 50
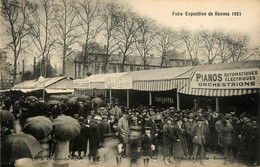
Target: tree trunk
15, 69
64, 62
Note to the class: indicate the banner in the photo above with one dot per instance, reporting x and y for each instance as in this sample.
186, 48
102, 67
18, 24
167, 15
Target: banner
81, 83
226, 79
119, 83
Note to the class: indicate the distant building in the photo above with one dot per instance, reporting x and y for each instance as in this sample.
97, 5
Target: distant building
95, 62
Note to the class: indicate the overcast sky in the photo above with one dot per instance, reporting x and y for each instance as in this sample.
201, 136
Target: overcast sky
161, 10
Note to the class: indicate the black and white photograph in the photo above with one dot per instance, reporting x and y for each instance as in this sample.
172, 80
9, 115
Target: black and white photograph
130, 83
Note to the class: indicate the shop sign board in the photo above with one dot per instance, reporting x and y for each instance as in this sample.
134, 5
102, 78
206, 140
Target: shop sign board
226, 79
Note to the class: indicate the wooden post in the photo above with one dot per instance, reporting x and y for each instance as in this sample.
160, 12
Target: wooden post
127, 98
110, 96
178, 101
150, 98
217, 104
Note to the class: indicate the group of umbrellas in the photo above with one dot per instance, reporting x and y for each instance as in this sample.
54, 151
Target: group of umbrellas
26, 145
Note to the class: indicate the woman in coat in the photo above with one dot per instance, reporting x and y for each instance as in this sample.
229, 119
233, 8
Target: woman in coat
167, 140
179, 143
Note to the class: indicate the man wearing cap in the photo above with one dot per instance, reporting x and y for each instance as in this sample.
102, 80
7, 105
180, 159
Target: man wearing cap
123, 128
198, 139
94, 138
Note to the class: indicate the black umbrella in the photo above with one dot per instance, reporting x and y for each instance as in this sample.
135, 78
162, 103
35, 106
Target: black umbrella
16, 146
6, 115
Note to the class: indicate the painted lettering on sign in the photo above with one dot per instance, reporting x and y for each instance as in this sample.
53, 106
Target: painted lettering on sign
226, 79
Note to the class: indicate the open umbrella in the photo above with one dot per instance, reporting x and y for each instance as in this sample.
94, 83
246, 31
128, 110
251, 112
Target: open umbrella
16, 146
59, 97
6, 115
84, 98
97, 100
66, 127
31, 98
73, 101
39, 126
52, 102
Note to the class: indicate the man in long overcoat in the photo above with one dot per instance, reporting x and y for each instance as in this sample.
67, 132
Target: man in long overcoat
123, 128
198, 139
94, 137
167, 140
180, 148
227, 134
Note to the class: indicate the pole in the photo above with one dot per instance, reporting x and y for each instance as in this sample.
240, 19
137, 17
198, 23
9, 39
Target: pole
217, 104
127, 98
150, 98
178, 101
110, 96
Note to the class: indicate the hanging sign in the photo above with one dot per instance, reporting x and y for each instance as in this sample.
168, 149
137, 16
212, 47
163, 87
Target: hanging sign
226, 79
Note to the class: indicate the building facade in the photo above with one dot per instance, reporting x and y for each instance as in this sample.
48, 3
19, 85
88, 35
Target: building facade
95, 62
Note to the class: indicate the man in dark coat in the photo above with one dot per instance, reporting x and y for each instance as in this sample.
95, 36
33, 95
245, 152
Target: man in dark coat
167, 140
94, 137
151, 123
198, 139
245, 138
104, 127
227, 134
179, 143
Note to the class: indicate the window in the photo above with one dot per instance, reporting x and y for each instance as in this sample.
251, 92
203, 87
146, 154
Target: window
131, 68
103, 69
114, 69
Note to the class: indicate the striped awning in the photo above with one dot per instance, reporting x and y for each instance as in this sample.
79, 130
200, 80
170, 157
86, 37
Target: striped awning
159, 85
184, 88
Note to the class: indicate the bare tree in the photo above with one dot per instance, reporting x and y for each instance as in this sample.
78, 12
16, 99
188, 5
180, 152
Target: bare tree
89, 15
41, 26
192, 44
144, 41
238, 47
166, 39
14, 14
126, 29
67, 28
110, 17
210, 45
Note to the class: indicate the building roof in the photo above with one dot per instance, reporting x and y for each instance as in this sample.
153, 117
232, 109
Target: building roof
39, 83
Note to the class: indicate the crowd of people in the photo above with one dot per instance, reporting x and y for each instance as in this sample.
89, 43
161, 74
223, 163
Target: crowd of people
144, 132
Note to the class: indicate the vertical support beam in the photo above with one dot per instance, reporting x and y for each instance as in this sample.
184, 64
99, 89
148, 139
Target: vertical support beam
178, 101
110, 96
150, 98
127, 98
217, 104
